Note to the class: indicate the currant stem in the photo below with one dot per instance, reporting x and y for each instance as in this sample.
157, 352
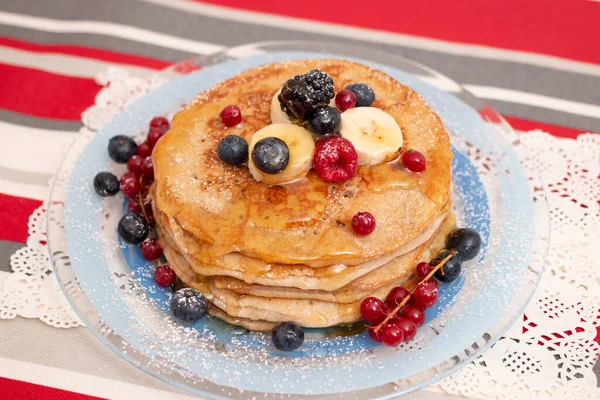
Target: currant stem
141, 202
405, 300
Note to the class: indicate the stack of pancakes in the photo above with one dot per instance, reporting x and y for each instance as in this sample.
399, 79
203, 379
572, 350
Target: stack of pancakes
264, 254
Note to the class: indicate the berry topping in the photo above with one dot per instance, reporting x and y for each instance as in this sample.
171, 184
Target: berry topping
148, 168
188, 305
134, 164
425, 295
133, 229
345, 99
365, 96
391, 335
154, 135
233, 150
324, 121
335, 159
231, 116
423, 269
164, 276
120, 148
363, 223
374, 335
408, 328
150, 249
133, 205
106, 184
160, 122
396, 296
271, 155
451, 270
372, 310
146, 183
465, 241
130, 184
414, 313
287, 336
144, 150
413, 161
300, 95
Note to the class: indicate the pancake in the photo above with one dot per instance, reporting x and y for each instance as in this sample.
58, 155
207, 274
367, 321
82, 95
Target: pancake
251, 270
306, 222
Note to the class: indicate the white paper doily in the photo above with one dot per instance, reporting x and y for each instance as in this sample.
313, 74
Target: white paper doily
548, 353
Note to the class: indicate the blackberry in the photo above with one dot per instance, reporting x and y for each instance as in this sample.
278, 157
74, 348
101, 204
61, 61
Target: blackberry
304, 93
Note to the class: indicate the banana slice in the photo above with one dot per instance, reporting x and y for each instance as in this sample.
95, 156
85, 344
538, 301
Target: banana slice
277, 114
300, 144
374, 133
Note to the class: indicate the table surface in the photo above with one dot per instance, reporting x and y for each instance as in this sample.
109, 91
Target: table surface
536, 62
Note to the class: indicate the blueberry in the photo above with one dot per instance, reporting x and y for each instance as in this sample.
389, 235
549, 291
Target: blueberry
287, 336
465, 241
451, 269
271, 155
120, 148
233, 150
188, 305
133, 228
106, 184
365, 96
324, 121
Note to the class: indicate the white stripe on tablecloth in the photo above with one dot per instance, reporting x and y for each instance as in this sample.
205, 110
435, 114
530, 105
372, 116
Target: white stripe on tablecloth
64, 64
32, 149
109, 29
81, 383
536, 100
373, 35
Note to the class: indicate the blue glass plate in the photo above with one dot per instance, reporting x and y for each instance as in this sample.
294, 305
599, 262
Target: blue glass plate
111, 286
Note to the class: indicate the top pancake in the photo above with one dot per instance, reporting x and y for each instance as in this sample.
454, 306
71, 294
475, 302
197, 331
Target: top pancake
308, 220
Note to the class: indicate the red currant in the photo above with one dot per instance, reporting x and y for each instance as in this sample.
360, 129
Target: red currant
391, 335
164, 276
414, 313
413, 161
375, 336
130, 184
148, 168
150, 249
231, 115
144, 150
425, 295
408, 328
372, 310
146, 183
133, 205
423, 269
363, 223
396, 296
345, 99
150, 220
134, 164
159, 122
153, 136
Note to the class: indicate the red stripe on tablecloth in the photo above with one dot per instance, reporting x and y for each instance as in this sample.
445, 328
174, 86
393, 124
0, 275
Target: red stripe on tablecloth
556, 130
20, 390
88, 52
14, 214
566, 28
44, 94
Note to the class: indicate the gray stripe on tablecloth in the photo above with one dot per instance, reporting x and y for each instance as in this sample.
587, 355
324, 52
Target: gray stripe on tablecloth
25, 177
39, 122
7, 249
464, 69
588, 124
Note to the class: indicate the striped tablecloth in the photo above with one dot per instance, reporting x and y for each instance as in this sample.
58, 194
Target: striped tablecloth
537, 62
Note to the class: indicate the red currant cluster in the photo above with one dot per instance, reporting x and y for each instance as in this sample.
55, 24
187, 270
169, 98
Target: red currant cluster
396, 320
135, 185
